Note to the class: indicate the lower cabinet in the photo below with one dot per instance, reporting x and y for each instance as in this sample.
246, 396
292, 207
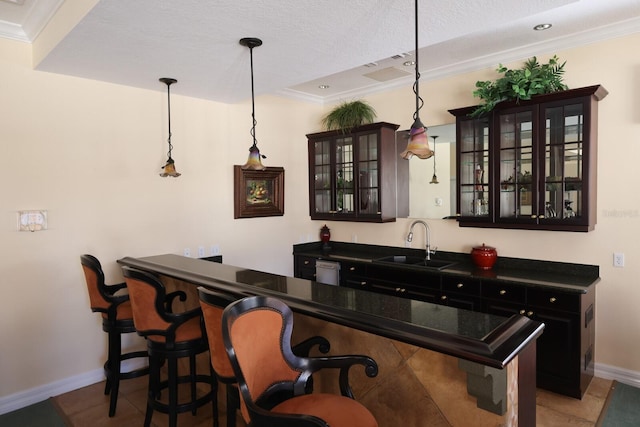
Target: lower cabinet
565, 350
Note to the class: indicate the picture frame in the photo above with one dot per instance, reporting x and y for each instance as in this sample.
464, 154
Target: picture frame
258, 193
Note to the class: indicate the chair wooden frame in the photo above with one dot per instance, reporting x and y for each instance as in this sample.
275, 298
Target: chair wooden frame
259, 403
162, 345
213, 303
103, 300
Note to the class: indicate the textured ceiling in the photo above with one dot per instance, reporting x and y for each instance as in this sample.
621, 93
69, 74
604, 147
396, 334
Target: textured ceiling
308, 43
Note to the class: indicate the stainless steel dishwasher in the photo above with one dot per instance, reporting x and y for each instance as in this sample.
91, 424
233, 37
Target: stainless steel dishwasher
328, 272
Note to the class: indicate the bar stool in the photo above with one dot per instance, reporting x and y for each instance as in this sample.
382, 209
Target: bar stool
170, 336
213, 303
117, 319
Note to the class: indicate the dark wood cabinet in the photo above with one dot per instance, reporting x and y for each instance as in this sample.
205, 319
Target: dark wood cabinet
531, 164
358, 175
305, 267
565, 350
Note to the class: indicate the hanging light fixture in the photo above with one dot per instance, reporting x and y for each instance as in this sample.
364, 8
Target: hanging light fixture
170, 167
254, 161
418, 144
434, 179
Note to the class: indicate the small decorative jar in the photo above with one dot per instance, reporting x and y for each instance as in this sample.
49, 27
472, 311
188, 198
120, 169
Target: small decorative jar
484, 256
325, 236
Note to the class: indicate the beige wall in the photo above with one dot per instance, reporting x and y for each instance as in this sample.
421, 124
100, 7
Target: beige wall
89, 152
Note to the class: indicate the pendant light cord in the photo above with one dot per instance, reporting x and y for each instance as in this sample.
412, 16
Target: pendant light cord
416, 88
253, 106
169, 121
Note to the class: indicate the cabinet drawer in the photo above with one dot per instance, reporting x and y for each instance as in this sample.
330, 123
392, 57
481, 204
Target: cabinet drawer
352, 269
461, 285
402, 277
554, 300
504, 292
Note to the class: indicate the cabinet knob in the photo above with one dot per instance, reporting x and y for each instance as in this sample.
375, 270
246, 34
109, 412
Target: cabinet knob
306, 262
443, 297
529, 313
460, 285
352, 269
397, 289
552, 299
363, 283
502, 292
541, 216
522, 312
534, 216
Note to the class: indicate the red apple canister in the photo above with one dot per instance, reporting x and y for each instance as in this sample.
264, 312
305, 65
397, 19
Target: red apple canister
484, 256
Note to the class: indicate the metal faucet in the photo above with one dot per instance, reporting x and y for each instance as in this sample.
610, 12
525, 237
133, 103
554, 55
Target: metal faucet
427, 237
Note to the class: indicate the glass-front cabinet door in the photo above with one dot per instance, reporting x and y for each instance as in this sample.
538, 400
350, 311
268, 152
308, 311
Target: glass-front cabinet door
474, 192
333, 169
369, 200
517, 166
354, 176
564, 152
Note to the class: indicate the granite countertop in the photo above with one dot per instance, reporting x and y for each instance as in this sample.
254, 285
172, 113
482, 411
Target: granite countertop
479, 337
535, 273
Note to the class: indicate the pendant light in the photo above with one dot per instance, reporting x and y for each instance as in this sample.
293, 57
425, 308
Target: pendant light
434, 179
170, 167
418, 144
254, 161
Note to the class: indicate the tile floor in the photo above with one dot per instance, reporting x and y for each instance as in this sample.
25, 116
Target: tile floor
88, 407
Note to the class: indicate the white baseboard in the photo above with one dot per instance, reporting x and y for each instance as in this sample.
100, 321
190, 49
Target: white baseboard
621, 375
43, 392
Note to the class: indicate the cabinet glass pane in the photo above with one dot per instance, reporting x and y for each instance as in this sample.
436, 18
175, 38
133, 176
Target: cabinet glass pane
368, 174
473, 175
516, 172
344, 175
563, 163
323, 201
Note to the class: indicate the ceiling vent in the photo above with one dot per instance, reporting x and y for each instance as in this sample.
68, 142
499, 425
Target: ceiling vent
386, 74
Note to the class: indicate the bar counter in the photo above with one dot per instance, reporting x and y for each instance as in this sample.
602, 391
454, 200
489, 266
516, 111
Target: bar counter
476, 339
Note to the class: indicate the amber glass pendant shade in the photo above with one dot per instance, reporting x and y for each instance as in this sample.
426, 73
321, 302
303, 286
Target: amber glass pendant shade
254, 162
170, 169
418, 144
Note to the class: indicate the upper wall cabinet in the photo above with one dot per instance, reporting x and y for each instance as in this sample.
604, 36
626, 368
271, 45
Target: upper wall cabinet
358, 176
531, 164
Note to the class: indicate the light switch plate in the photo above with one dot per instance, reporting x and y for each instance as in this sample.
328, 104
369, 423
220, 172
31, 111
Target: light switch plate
32, 220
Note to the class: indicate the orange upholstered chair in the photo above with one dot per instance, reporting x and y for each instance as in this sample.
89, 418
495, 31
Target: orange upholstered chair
117, 319
170, 336
212, 304
273, 381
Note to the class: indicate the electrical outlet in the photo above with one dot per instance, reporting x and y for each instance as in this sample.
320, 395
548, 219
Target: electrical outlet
618, 259
201, 252
215, 250
186, 252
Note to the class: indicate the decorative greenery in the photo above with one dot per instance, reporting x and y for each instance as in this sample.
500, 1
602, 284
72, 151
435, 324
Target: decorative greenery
348, 115
532, 79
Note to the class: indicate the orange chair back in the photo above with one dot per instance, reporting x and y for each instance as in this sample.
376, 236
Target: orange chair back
95, 283
147, 295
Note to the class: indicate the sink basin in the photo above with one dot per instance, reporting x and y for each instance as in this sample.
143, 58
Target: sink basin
435, 263
415, 261
401, 259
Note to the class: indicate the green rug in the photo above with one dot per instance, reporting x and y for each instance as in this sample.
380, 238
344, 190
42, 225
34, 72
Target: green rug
622, 407
41, 414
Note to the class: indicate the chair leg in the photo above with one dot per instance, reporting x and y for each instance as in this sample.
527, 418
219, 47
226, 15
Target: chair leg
173, 392
233, 404
155, 363
214, 396
192, 380
113, 378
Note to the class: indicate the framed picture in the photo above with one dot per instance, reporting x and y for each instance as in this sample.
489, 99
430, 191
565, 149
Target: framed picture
258, 193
